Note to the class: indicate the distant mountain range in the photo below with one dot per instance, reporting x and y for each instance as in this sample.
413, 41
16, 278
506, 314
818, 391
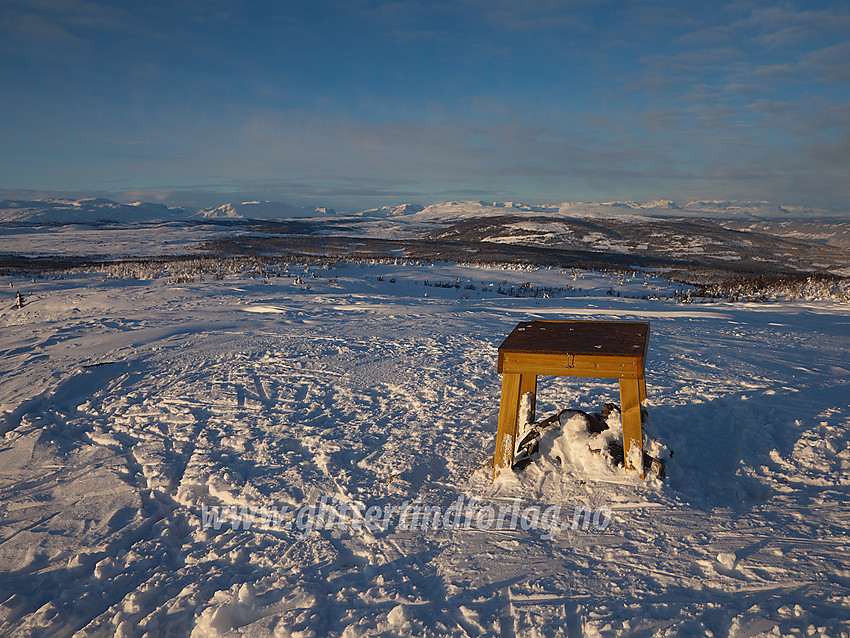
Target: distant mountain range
709, 239
99, 210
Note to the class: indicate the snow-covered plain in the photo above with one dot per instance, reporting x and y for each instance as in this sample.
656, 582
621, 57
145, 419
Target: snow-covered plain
112, 241
131, 409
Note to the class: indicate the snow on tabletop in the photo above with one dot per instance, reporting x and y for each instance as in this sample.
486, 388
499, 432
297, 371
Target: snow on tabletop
308, 455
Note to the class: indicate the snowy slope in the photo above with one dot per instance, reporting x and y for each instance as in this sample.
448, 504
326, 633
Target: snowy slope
832, 233
132, 408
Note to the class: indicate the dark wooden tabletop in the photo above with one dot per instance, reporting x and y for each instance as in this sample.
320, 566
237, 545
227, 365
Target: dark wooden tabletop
606, 338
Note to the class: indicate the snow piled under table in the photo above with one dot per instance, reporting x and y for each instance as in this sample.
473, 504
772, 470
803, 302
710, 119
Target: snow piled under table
134, 409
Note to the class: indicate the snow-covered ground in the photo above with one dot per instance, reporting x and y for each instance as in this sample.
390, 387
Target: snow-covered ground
139, 415
115, 241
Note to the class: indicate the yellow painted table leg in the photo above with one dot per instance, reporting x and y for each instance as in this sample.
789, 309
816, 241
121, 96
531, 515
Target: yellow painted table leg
642, 389
632, 431
528, 383
508, 408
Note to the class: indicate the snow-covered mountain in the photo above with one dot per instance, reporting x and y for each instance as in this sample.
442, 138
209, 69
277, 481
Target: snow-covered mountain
96, 210
85, 211
261, 210
393, 211
747, 210
727, 210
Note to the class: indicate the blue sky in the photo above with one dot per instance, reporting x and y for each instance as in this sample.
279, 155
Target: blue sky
355, 103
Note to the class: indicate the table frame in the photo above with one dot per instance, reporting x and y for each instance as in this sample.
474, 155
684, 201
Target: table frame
520, 370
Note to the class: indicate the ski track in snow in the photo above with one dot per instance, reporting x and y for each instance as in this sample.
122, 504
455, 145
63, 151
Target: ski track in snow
128, 406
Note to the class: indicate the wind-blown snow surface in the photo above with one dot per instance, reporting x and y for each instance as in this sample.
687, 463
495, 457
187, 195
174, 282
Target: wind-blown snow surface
129, 406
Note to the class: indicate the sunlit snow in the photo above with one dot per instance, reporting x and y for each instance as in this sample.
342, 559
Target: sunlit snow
131, 407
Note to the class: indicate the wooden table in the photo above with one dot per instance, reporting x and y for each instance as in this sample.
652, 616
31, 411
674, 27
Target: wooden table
600, 349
